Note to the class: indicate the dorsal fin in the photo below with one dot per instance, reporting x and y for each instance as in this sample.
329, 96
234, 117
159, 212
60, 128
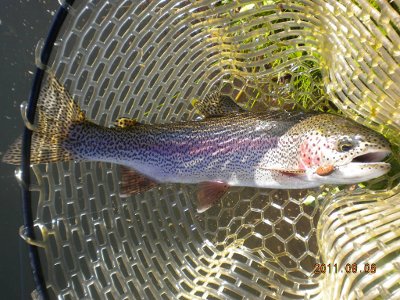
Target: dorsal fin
216, 104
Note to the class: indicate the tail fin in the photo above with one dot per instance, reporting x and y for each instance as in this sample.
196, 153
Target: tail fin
55, 113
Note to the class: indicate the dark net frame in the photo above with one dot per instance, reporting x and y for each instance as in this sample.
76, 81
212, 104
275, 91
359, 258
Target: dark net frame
256, 243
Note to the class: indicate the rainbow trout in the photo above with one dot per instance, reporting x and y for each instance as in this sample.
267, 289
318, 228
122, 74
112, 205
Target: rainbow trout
229, 147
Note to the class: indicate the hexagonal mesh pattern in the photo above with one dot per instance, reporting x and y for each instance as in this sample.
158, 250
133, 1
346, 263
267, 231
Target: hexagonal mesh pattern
147, 60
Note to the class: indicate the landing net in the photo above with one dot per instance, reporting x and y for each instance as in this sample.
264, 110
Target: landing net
148, 60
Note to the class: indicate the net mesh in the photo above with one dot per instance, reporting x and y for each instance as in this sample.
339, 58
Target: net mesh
147, 60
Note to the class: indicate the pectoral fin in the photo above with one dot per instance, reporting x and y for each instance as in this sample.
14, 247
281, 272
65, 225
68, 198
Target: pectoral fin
292, 172
209, 193
287, 172
133, 182
216, 104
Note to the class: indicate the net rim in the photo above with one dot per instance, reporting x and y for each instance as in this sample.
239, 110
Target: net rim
27, 212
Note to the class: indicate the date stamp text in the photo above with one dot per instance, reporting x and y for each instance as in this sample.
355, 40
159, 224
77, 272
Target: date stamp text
348, 268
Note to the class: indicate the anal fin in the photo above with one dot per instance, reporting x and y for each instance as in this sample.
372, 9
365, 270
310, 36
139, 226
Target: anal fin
209, 193
133, 182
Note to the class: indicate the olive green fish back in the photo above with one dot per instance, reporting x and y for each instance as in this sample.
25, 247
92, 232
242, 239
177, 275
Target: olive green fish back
148, 61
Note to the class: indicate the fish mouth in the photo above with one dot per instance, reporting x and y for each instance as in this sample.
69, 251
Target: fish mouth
372, 157
362, 168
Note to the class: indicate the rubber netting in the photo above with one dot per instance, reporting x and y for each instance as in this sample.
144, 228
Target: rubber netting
148, 60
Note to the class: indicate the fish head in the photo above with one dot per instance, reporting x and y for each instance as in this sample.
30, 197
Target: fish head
335, 150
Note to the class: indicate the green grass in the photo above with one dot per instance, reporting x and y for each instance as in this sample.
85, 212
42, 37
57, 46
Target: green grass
303, 87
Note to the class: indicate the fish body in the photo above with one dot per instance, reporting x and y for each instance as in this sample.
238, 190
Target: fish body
268, 150
229, 147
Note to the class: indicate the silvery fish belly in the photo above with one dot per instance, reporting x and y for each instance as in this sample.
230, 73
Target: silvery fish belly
229, 147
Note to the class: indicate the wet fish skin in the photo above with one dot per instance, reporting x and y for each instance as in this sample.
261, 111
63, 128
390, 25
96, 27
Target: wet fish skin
224, 148
268, 150
274, 149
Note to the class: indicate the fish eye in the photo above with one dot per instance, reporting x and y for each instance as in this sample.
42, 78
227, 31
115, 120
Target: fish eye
345, 146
